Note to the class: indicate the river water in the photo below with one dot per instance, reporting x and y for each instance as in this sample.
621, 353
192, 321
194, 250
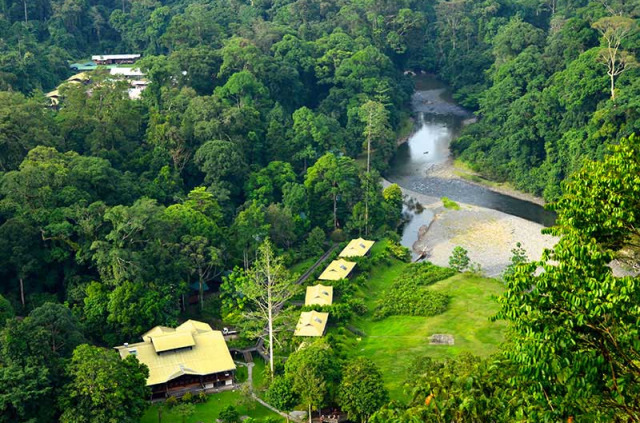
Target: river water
417, 162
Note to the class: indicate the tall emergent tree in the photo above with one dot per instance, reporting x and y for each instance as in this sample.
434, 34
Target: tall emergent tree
614, 30
267, 287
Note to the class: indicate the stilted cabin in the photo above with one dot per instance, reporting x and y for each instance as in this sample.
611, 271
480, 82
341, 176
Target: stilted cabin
191, 357
115, 59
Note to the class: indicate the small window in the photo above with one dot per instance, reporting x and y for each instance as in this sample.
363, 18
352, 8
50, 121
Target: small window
343, 267
133, 352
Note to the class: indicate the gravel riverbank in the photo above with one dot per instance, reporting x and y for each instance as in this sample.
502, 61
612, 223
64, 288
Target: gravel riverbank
488, 235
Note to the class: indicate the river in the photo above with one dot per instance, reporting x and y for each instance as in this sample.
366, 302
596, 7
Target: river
418, 163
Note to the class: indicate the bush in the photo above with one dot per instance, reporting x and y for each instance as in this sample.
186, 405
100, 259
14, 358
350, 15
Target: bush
202, 397
459, 259
229, 414
171, 401
398, 251
338, 235
450, 204
187, 398
407, 296
358, 306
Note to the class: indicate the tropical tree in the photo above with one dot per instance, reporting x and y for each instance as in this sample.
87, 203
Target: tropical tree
267, 287
104, 387
361, 392
615, 30
333, 178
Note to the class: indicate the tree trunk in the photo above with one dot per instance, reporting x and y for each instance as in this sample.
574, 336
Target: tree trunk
201, 290
22, 292
270, 316
309, 412
335, 211
26, 17
613, 91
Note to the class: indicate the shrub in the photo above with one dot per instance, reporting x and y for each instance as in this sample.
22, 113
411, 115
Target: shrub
450, 204
338, 235
171, 401
358, 306
202, 397
187, 398
459, 259
398, 251
407, 296
229, 414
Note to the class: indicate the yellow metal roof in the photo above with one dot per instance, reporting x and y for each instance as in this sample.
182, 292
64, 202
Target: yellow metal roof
167, 354
338, 269
311, 323
357, 248
79, 77
172, 341
319, 294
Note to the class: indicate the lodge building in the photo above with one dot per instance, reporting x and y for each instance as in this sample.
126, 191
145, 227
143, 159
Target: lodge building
191, 357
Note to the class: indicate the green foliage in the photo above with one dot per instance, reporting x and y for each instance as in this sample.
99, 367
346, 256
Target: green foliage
185, 409
407, 295
314, 372
281, 394
399, 252
450, 204
104, 387
361, 392
459, 259
518, 257
229, 414
171, 401
6, 310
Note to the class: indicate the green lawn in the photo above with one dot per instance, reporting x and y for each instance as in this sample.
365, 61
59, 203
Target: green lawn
259, 379
208, 412
394, 342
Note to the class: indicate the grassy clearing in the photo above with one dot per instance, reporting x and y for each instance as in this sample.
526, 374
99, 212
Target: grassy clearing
394, 342
209, 411
259, 378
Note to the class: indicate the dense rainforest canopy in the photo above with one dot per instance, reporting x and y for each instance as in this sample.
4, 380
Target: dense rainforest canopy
274, 119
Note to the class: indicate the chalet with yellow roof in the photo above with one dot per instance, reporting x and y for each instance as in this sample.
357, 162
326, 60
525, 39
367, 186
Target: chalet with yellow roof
319, 295
357, 248
338, 269
311, 323
190, 357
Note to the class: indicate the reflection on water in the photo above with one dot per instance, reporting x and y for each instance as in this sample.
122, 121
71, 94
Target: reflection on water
439, 121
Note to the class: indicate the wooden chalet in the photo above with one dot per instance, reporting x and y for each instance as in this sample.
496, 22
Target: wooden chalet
191, 357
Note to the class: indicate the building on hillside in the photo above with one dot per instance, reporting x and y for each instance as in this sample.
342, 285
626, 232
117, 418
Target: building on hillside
319, 295
54, 98
115, 59
338, 269
311, 323
191, 357
79, 78
129, 73
357, 248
